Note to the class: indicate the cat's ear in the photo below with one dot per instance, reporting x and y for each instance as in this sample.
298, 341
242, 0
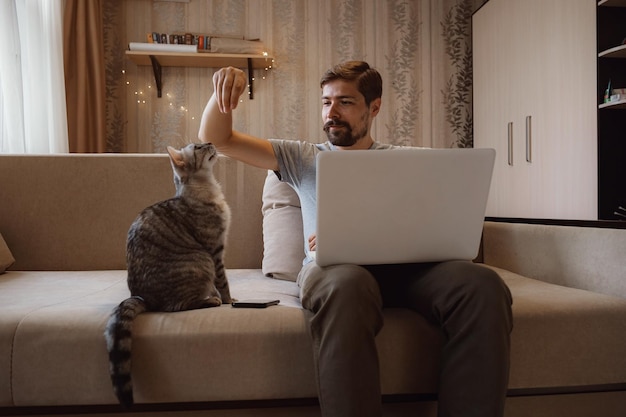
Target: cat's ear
176, 156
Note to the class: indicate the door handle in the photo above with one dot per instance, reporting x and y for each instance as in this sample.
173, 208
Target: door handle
510, 143
529, 139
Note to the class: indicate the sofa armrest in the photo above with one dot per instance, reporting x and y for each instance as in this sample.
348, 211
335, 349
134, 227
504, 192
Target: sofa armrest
584, 257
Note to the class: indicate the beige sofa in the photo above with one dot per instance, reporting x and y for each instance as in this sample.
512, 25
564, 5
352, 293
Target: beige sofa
64, 220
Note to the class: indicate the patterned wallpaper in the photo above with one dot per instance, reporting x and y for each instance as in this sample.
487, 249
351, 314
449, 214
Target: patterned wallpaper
421, 47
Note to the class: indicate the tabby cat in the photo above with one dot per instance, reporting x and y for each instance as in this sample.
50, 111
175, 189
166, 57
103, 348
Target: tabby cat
174, 254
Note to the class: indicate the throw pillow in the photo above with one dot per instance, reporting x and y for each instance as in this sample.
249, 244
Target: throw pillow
6, 258
283, 250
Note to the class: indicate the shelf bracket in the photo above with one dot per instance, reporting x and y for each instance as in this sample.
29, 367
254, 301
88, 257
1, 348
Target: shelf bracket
158, 74
250, 79
156, 68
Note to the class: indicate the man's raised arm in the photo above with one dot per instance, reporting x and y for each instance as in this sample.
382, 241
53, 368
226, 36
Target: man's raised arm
216, 125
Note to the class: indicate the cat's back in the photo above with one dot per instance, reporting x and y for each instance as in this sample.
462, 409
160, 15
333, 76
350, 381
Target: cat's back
180, 222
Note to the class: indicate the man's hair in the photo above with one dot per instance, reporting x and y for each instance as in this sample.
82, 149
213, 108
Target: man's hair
368, 80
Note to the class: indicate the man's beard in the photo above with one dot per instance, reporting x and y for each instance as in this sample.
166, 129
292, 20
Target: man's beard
345, 136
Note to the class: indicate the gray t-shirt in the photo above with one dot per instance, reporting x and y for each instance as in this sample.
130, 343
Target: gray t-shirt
296, 162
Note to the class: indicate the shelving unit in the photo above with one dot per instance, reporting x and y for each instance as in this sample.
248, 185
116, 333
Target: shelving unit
615, 52
200, 60
611, 34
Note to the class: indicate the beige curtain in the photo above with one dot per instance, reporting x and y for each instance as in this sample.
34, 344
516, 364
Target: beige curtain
85, 75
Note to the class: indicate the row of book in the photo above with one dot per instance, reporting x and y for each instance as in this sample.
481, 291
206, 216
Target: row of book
209, 43
177, 39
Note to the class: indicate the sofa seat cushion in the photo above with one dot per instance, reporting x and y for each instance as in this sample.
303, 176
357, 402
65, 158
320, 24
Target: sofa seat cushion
55, 344
564, 337
53, 350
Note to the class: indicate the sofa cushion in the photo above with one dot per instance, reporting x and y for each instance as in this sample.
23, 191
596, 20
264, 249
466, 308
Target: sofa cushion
283, 242
53, 343
83, 205
53, 351
6, 258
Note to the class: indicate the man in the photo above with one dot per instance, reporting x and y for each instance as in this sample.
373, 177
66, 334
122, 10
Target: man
470, 303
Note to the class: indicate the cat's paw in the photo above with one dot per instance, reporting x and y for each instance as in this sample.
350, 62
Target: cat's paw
212, 302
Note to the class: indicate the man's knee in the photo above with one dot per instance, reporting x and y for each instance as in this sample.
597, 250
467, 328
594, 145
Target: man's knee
476, 280
487, 294
469, 287
347, 285
489, 286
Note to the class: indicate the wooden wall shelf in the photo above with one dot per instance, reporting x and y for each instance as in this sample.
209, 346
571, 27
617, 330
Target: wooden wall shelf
200, 60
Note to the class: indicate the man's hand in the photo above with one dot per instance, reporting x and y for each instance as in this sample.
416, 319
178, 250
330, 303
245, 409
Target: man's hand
228, 85
312, 242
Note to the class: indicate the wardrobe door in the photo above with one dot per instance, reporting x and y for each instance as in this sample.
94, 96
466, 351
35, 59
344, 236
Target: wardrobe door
497, 101
564, 120
535, 104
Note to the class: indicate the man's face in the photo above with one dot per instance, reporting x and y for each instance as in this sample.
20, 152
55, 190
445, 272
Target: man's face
347, 118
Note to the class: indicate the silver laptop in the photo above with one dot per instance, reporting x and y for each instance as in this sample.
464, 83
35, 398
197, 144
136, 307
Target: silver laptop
401, 206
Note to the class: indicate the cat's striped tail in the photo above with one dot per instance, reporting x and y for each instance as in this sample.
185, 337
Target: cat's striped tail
118, 335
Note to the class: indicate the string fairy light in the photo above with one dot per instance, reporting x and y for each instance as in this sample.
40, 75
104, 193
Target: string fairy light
143, 98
